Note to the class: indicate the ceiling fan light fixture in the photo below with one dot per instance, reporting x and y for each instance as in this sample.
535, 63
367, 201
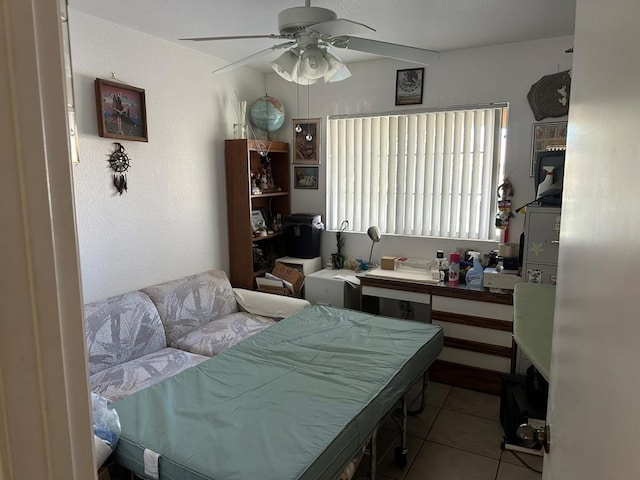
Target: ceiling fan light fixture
286, 65
340, 75
313, 65
305, 81
299, 78
337, 70
309, 32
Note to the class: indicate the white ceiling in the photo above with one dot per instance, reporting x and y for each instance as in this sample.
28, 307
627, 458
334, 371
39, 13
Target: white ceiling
432, 24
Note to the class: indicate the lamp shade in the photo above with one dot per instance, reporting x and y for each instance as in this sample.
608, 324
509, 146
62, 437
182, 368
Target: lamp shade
286, 65
375, 235
313, 65
337, 70
310, 65
301, 80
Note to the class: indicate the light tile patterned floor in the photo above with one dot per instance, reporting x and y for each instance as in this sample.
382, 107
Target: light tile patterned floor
456, 437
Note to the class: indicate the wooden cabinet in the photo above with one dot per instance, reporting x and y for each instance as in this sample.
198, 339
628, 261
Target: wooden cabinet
478, 343
477, 325
241, 159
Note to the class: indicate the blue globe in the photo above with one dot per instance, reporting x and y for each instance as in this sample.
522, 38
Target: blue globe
267, 113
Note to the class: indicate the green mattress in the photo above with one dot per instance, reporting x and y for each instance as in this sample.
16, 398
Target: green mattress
295, 401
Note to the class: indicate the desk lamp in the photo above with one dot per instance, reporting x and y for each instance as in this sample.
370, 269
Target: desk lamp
374, 235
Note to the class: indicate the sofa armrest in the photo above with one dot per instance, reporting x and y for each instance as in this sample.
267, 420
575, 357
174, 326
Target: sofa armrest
267, 304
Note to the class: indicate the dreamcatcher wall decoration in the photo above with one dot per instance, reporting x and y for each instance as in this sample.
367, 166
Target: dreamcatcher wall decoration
119, 161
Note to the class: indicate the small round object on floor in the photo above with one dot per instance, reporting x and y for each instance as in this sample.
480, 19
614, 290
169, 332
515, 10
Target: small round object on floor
400, 457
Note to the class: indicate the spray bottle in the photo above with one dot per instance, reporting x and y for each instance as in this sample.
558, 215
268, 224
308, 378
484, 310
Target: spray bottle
454, 268
475, 274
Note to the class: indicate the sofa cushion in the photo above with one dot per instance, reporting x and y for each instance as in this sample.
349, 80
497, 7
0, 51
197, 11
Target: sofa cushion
120, 329
126, 378
215, 337
188, 303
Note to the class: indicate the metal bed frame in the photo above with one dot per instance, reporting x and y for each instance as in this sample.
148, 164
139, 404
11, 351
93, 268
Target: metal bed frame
400, 415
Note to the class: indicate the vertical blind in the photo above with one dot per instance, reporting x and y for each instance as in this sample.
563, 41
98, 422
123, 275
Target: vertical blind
424, 174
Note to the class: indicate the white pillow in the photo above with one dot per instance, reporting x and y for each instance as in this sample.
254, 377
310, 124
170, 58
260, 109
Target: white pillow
268, 304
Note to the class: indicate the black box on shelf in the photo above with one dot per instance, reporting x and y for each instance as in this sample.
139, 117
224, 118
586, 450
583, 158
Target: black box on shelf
302, 231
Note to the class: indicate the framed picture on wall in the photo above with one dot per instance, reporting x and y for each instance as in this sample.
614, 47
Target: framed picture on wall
547, 136
305, 177
306, 141
121, 111
409, 86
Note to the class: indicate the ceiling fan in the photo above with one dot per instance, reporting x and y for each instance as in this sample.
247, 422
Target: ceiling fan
313, 34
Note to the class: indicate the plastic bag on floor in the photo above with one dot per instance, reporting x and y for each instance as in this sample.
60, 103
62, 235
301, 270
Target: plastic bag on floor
106, 428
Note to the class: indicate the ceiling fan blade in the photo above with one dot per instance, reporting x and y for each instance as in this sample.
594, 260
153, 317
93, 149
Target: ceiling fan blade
385, 49
234, 37
340, 26
245, 60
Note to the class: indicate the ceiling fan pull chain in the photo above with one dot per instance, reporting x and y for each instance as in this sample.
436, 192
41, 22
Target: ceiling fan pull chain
308, 137
298, 127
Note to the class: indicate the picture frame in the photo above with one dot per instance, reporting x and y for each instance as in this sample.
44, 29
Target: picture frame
122, 111
409, 86
547, 136
258, 216
305, 177
306, 152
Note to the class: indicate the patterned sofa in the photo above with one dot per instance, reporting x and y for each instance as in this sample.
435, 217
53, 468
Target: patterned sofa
139, 338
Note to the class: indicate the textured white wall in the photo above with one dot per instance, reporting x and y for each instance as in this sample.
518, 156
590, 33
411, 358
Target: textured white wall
501, 73
172, 221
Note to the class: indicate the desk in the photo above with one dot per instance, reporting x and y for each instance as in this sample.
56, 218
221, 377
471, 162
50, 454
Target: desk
478, 326
325, 287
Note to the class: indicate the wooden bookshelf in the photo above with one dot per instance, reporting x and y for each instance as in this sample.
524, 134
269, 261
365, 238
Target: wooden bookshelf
241, 158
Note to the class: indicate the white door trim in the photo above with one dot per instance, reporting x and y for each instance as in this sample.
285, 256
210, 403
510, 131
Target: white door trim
45, 422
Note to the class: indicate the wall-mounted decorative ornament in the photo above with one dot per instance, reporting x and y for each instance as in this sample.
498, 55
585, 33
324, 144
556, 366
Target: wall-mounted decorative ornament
549, 96
119, 161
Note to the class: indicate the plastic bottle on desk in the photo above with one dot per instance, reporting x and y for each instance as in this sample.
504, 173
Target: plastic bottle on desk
475, 274
454, 268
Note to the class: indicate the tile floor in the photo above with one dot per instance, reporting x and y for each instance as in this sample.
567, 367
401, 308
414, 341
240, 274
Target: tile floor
456, 437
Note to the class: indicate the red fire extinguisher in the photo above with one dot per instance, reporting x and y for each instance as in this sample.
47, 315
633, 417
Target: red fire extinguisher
504, 192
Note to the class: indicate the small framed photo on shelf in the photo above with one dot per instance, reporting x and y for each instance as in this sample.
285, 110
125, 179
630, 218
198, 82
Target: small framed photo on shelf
259, 220
305, 177
306, 141
409, 86
547, 136
121, 111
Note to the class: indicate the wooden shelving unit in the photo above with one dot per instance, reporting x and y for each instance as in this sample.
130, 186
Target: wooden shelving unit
241, 158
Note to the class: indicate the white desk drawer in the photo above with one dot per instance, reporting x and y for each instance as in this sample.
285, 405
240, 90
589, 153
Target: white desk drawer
396, 294
475, 359
474, 308
477, 334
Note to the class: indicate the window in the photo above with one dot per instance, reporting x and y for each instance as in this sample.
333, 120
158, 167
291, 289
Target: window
429, 173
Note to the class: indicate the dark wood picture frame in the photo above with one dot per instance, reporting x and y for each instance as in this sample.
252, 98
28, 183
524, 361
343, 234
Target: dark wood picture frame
304, 151
305, 177
122, 111
409, 86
